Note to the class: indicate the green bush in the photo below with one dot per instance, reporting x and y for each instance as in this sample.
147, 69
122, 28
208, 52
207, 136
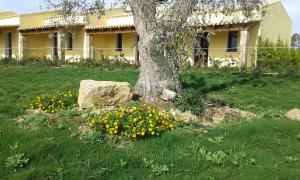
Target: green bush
190, 100
39, 61
53, 103
8, 61
277, 57
118, 62
133, 121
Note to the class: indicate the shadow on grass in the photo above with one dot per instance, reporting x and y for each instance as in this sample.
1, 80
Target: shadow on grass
227, 80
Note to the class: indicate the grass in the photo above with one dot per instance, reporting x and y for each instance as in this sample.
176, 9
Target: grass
54, 153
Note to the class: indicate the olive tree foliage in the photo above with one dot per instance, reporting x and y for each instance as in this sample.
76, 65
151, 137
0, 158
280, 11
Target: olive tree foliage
296, 40
167, 32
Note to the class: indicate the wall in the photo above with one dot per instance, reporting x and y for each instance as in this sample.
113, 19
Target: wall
276, 24
105, 45
37, 45
252, 43
7, 14
35, 19
15, 41
78, 40
218, 47
94, 20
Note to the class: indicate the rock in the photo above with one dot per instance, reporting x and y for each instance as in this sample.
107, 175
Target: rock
106, 93
293, 114
184, 116
168, 95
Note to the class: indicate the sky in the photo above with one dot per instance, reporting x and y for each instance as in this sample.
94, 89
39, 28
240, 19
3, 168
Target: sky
25, 6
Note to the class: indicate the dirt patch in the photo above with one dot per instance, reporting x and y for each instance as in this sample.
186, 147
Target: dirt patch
215, 115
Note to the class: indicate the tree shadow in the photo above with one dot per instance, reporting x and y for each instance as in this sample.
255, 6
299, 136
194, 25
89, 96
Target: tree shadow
192, 81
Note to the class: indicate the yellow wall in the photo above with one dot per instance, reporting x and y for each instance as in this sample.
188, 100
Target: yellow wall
78, 41
218, 46
105, 44
94, 20
7, 14
252, 42
15, 41
37, 45
35, 19
276, 24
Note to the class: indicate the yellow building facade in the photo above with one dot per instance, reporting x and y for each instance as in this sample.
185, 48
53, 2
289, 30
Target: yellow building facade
44, 34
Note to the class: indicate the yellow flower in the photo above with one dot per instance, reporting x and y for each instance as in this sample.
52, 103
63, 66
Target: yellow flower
134, 135
143, 133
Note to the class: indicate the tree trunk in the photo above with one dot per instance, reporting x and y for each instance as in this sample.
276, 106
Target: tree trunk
159, 67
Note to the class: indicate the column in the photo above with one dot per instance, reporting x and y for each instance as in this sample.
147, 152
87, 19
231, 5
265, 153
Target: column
88, 46
51, 38
243, 48
61, 45
21, 45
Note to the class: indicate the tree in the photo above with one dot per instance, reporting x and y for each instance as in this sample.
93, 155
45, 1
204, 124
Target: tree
296, 40
165, 29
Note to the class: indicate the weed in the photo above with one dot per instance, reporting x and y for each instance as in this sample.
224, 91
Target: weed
216, 158
69, 112
190, 100
297, 136
122, 163
33, 122
16, 161
14, 147
147, 163
291, 159
216, 140
159, 170
237, 158
94, 138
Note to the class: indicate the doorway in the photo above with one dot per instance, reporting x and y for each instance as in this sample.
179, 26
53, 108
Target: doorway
8, 45
55, 47
201, 50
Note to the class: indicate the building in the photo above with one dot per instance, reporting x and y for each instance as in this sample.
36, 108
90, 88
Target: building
230, 40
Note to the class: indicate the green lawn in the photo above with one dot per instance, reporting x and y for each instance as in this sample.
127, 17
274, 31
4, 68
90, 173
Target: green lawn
266, 148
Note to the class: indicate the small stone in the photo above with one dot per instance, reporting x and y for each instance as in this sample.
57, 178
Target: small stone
168, 95
293, 114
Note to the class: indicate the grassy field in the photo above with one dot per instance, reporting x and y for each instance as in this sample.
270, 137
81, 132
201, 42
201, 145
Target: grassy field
266, 148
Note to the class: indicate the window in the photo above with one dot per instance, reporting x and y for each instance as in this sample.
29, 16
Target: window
232, 43
119, 42
70, 41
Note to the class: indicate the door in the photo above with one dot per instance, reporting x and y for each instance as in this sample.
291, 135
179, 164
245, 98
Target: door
55, 47
201, 50
8, 45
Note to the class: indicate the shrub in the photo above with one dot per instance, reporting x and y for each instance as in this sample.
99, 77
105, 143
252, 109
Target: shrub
277, 57
190, 100
133, 121
53, 103
39, 61
8, 61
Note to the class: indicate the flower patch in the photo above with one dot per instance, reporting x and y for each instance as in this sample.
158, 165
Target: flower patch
133, 121
53, 103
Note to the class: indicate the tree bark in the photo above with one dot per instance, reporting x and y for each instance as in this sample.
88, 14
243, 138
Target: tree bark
157, 71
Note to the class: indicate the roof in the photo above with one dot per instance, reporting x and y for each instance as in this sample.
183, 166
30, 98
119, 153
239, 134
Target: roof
5, 14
